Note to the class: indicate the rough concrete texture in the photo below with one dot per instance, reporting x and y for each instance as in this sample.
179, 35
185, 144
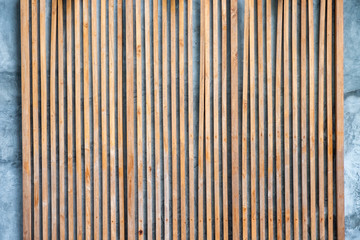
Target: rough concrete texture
10, 118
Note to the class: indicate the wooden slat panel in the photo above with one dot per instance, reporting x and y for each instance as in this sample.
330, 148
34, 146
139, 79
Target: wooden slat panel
224, 117
295, 104
339, 109
139, 119
235, 185
173, 119
35, 115
79, 206
321, 120
130, 120
191, 121
69, 112
182, 121
95, 86
165, 90
61, 117
216, 133
201, 123
53, 156
278, 119
329, 104
25, 118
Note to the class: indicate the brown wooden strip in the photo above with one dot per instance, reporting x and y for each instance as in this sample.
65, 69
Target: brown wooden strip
53, 119
130, 120
94, 58
120, 120
78, 121
148, 120
61, 117
69, 113
182, 121
339, 108
321, 120
86, 116
191, 122
157, 118
139, 119
207, 123
303, 122
234, 120
286, 120
173, 119
112, 122
278, 119
104, 121
261, 118
25, 118
201, 123
234, 117
312, 121
35, 115
216, 88
329, 104
167, 194
269, 83
295, 118
224, 118
252, 121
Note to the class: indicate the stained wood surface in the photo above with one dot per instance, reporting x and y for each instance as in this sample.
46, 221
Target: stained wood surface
187, 189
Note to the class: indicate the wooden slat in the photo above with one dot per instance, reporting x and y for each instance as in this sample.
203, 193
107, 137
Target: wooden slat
35, 115
278, 119
165, 90
78, 122
191, 122
287, 120
261, 118
104, 121
252, 120
44, 163
173, 119
120, 120
224, 117
304, 212
86, 116
339, 109
61, 118
207, 123
148, 121
270, 156
139, 119
69, 113
234, 120
216, 88
52, 120
182, 121
312, 120
321, 120
157, 118
201, 123
329, 104
95, 87
130, 120
25, 118
112, 122
295, 104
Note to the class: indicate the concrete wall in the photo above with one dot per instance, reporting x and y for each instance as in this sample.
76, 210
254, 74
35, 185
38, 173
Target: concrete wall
10, 119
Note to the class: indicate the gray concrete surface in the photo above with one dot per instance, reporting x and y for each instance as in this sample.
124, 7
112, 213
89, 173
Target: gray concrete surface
10, 119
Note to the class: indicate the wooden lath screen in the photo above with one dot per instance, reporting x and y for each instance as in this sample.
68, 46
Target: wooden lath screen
174, 119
